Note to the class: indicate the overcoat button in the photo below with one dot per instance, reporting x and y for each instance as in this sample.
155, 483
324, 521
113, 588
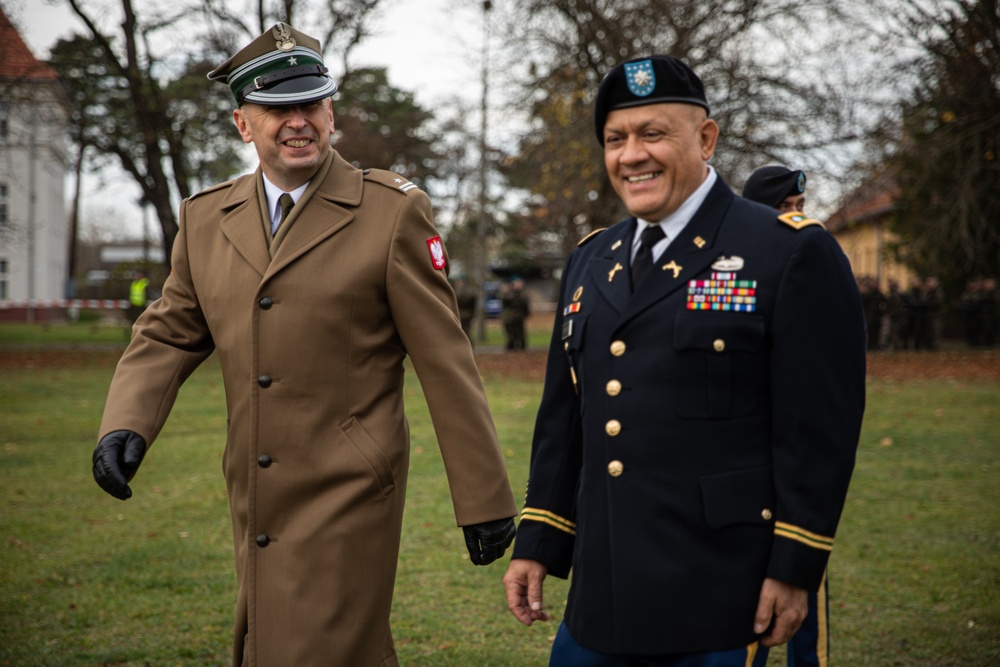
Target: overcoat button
719, 345
614, 388
616, 468
613, 427
264, 381
618, 348
264, 461
263, 540
266, 303
765, 514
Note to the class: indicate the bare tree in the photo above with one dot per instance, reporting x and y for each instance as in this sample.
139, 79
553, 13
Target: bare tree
169, 130
765, 67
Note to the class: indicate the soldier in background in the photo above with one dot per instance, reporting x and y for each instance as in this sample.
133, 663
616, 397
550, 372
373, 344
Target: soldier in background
990, 308
934, 302
875, 306
466, 296
896, 311
515, 311
971, 304
915, 318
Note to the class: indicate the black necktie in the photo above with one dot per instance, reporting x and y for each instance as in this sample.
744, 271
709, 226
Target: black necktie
643, 261
286, 203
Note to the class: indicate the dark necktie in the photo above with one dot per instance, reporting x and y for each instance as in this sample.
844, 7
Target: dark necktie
643, 261
286, 203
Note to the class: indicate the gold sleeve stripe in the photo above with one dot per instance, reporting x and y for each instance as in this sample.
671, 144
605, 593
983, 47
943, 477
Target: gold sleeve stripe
554, 520
782, 529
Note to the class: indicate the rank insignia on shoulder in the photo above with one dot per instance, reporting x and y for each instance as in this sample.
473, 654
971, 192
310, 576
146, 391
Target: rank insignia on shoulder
403, 184
589, 236
797, 220
436, 248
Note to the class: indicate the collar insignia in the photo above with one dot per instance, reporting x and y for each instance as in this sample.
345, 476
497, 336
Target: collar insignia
612, 272
673, 266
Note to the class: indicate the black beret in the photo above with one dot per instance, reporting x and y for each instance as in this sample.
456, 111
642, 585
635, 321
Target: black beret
771, 185
652, 80
282, 67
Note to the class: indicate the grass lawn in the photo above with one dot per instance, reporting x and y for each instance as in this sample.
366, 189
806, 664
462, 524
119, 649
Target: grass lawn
89, 580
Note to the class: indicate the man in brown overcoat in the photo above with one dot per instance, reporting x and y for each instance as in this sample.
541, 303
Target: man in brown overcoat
313, 281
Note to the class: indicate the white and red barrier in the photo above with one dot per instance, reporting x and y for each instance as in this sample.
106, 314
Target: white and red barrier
92, 304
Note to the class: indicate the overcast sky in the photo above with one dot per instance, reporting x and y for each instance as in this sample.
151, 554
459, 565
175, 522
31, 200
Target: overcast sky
428, 47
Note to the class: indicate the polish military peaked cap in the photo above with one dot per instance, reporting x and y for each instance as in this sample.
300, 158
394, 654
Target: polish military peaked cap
282, 67
652, 80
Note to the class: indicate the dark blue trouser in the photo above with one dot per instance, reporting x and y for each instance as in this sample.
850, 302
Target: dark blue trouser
567, 652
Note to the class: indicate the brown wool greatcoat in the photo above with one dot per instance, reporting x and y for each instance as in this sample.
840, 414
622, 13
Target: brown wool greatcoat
312, 343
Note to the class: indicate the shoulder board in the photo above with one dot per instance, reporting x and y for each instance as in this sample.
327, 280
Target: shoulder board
589, 236
797, 220
214, 188
389, 179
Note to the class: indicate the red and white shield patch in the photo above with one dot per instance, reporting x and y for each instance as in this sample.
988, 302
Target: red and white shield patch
437, 253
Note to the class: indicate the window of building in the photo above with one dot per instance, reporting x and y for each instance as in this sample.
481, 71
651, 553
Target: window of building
4, 120
4, 282
4, 204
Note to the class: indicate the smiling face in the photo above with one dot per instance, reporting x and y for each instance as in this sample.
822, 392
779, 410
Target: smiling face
291, 141
656, 155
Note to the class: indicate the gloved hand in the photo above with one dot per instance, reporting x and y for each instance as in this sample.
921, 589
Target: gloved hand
116, 458
488, 540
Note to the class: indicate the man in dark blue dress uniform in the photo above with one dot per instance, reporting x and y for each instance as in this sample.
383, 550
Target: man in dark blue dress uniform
703, 399
785, 190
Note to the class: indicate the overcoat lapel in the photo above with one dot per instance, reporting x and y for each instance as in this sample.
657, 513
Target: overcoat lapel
689, 254
242, 225
323, 215
611, 269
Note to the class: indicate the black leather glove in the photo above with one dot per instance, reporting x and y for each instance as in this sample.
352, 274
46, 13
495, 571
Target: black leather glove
116, 458
488, 540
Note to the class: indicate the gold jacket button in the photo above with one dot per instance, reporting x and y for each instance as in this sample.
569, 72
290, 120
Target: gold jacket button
616, 468
719, 345
613, 427
765, 514
618, 348
614, 388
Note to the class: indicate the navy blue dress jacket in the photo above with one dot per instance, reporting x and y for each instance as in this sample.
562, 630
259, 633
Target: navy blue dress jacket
699, 434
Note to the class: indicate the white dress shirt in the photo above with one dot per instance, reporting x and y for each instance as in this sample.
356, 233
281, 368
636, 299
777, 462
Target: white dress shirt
675, 223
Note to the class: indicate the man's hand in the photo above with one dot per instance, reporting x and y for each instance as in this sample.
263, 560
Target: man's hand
116, 458
488, 540
783, 607
523, 584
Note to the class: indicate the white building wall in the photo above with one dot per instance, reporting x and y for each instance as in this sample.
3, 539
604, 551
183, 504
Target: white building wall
37, 215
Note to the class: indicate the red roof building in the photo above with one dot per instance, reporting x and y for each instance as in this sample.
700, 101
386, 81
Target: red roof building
34, 121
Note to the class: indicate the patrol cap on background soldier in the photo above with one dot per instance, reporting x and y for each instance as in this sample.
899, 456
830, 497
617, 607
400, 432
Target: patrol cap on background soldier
778, 187
281, 67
